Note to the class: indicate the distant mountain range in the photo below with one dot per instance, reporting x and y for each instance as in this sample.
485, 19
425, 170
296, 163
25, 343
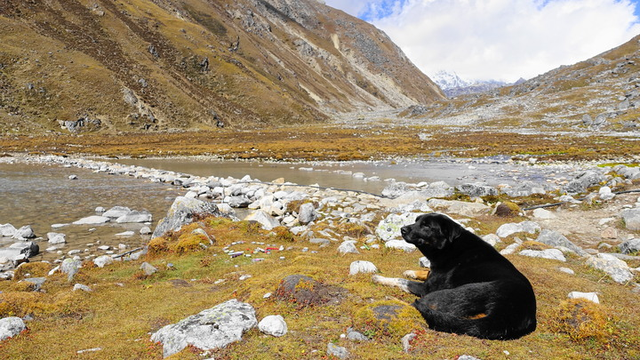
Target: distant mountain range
453, 85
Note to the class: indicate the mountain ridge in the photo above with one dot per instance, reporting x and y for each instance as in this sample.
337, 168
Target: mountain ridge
178, 65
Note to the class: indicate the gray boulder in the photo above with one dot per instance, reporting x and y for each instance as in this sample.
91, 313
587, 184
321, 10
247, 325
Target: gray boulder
116, 212
513, 228
10, 327
395, 190
617, 269
24, 233
182, 212
389, 228
555, 239
70, 267
210, 329
102, 261
56, 238
583, 181
477, 190
362, 267
7, 230
92, 220
630, 246
348, 247
337, 351
135, 217
631, 218
552, 254
267, 221
307, 213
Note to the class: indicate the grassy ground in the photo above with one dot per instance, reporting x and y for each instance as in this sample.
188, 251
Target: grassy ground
125, 306
328, 142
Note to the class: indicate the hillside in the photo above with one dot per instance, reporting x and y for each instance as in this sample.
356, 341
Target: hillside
598, 94
160, 65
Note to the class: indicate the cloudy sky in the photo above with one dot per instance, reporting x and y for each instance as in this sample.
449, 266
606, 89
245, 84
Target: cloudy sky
499, 39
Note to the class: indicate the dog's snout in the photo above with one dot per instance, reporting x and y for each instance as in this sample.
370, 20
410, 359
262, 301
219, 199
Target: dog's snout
405, 230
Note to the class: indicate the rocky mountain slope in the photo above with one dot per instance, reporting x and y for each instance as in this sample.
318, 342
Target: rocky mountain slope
598, 94
453, 85
193, 64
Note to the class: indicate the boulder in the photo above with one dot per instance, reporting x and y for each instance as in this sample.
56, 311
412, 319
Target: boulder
617, 269
70, 267
56, 238
555, 239
348, 247
477, 190
400, 245
337, 351
265, 220
362, 267
582, 295
148, 269
7, 230
552, 254
389, 228
583, 181
464, 208
630, 246
273, 325
116, 212
543, 214
307, 213
10, 327
210, 329
182, 212
24, 233
102, 261
631, 218
513, 228
135, 217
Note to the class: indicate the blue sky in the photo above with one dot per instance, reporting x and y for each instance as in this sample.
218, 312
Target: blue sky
499, 39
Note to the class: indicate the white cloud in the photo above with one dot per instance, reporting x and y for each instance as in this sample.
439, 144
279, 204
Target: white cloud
500, 39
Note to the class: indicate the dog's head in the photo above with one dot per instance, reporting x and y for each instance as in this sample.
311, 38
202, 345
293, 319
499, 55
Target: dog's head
432, 231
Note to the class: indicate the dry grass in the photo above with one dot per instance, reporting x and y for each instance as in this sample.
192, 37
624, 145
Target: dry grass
124, 308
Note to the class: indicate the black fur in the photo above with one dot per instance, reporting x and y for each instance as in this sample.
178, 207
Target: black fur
471, 288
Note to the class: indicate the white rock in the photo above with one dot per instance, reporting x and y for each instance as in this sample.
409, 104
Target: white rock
362, 267
510, 249
553, 254
102, 261
7, 230
56, 238
10, 327
348, 247
266, 221
543, 214
582, 295
77, 287
400, 245
567, 270
273, 325
92, 220
616, 268
126, 233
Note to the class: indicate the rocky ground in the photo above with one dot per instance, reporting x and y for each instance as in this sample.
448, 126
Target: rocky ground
590, 221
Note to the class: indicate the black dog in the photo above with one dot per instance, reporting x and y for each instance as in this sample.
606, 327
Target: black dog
471, 288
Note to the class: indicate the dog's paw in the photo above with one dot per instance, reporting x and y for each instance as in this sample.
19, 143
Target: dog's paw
416, 274
411, 274
377, 279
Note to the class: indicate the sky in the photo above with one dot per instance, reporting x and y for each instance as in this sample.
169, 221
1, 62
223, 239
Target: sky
499, 39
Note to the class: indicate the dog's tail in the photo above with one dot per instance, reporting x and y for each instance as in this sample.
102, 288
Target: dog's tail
481, 326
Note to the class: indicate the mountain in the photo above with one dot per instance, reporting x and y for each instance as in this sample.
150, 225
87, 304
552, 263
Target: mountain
452, 85
599, 94
134, 65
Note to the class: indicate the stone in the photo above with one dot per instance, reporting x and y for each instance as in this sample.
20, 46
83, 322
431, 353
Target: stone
605, 193
464, 208
116, 212
617, 269
82, 287
265, 220
631, 218
555, 239
583, 181
210, 329
581, 295
70, 267
56, 238
400, 245
273, 325
37, 282
102, 261
182, 212
24, 233
513, 228
7, 230
354, 335
406, 341
126, 233
491, 239
553, 254
11, 326
148, 269
630, 246
477, 190
337, 351
135, 217
543, 214
306, 291
348, 247
395, 189
362, 267
609, 233
389, 228
145, 230
92, 220
307, 213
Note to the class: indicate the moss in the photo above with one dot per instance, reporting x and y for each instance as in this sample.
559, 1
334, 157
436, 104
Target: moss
32, 269
392, 318
189, 242
282, 233
581, 320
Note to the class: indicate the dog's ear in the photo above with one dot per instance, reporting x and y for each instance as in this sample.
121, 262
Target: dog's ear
447, 230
